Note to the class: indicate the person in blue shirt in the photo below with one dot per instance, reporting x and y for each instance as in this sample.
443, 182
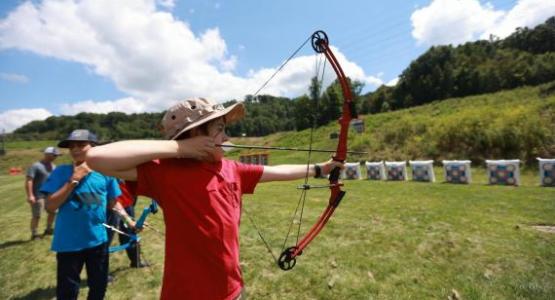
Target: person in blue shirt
81, 197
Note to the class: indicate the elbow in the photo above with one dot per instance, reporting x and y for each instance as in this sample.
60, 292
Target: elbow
49, 207
93, 159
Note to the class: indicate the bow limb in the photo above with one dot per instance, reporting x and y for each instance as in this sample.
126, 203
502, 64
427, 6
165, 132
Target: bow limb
134, 238
320, 44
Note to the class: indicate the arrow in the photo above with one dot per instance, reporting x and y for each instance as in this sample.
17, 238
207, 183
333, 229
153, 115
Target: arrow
227, 147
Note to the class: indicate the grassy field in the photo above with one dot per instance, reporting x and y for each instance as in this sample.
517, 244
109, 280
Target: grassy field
387, 240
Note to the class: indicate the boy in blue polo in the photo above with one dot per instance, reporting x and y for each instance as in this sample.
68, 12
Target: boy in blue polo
82, 197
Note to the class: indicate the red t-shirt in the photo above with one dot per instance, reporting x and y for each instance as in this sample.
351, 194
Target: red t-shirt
128, 193
202, 209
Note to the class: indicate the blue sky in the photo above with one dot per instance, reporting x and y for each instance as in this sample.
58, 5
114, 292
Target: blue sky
65, 57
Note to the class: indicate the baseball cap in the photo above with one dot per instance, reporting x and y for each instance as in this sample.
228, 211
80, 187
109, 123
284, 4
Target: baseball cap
79, 135
191, 113
52, 150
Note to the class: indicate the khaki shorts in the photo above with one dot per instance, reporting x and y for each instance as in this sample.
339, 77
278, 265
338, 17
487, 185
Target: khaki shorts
37, 207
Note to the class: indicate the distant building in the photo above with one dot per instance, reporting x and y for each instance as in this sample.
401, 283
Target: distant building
258, 158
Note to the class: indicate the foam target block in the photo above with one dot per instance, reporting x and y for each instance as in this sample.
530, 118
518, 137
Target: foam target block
504, 172
375, 170
547, 171
396, 170
422, 170
457, 171
351, 171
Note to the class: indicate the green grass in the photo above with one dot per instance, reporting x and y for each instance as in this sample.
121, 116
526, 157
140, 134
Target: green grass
387, 240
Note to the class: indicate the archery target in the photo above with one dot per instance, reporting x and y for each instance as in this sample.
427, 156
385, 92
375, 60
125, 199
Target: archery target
457, 171
547, 172
422, 170
396, 171
504, 172
375, 170
351, 171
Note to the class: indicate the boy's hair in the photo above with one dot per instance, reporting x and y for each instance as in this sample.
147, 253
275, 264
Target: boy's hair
203, 128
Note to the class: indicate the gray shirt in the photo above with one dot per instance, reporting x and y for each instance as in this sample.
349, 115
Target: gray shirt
39, 172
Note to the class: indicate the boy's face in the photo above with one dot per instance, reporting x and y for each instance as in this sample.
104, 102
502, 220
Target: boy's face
216, 130
78, 149
49, 157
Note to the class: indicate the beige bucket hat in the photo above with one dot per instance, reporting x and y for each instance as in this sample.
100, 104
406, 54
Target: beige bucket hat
191, 113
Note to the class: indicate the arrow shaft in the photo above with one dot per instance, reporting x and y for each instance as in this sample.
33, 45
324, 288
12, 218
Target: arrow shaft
284, 148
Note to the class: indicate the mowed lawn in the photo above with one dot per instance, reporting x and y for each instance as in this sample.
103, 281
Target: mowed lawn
387, 240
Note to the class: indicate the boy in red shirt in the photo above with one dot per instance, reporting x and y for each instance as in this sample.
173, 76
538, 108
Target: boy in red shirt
199, 192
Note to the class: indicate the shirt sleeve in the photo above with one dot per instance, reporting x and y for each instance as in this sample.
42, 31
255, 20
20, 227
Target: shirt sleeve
250, 176
31, 171
55, 181
113, 190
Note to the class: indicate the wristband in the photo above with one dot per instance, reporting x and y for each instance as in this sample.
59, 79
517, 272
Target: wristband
317, 171
74, 182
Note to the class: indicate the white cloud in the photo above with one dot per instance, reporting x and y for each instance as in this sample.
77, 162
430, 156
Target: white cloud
127, 105
526, 13
166, 3
458, 21
393, 82
294, 79
10, 120
147, 53
17, 78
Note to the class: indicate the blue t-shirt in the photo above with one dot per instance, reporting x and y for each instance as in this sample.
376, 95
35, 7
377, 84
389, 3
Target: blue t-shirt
79, 220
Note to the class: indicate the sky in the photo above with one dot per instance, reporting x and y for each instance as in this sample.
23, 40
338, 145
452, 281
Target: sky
62, 57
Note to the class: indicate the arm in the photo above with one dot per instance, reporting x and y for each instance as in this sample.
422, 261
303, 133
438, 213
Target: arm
29, 190
55, 200
292, 172
121, 159
116, 207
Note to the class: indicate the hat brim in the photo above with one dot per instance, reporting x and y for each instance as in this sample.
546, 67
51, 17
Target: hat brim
232, 114
55, 154
65, 143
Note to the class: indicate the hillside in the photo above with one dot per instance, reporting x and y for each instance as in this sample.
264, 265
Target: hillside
519, 123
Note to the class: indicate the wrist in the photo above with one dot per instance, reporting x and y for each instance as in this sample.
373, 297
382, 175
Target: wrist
317, 171
126, 219
73, 182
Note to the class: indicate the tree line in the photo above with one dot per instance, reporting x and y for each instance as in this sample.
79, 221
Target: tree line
527, 57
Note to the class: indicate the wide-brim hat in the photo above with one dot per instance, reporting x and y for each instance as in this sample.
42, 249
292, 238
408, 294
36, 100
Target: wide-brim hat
79, 135
191, 113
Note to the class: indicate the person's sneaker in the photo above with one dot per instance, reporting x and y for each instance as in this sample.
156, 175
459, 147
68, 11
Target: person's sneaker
49, 231
140, 265
35, 237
